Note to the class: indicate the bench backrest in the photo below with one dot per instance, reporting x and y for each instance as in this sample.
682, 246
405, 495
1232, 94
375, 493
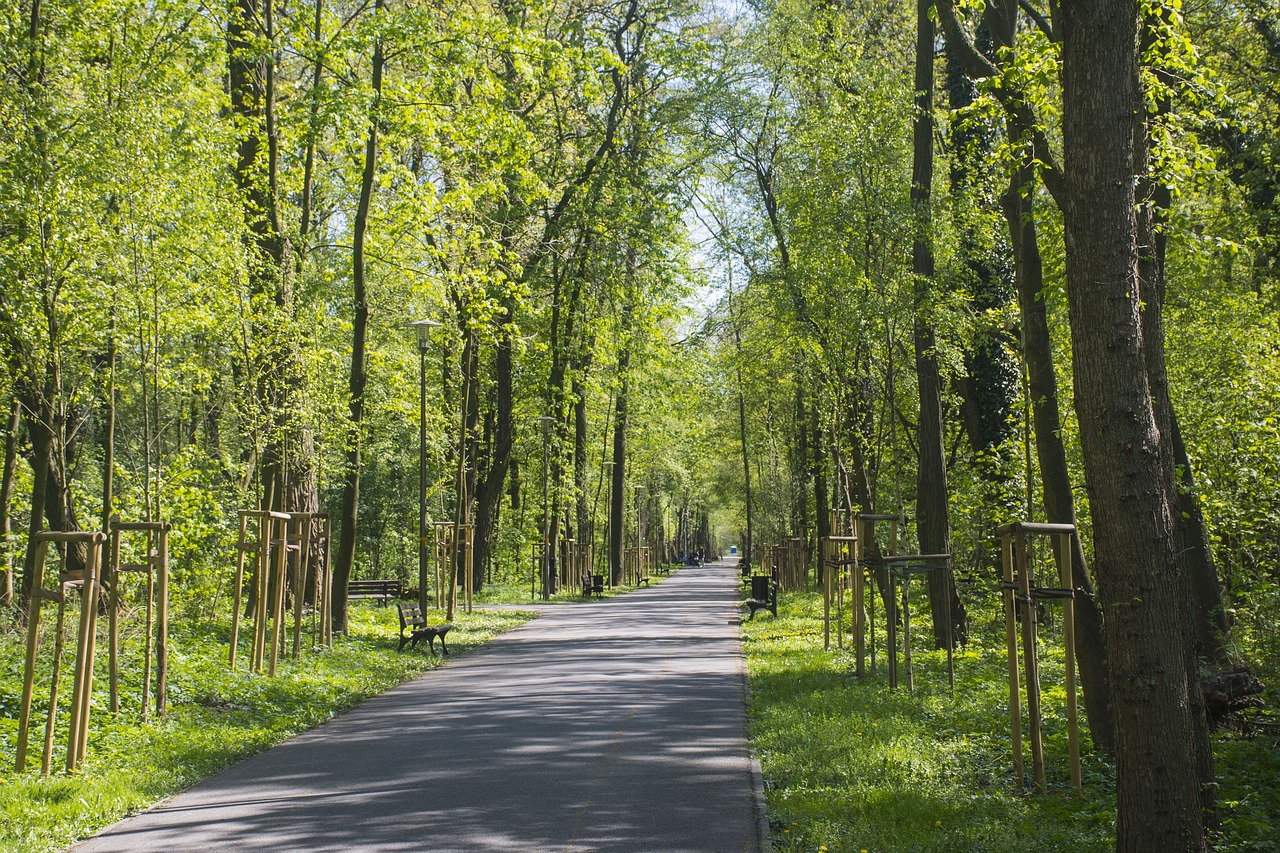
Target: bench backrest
760, 587
389, 587
410, 616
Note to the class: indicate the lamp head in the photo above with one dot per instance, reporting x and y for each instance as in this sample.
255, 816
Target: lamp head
423, 328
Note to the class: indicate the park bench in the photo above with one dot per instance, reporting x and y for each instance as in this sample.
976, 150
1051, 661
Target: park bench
764, 595
382, 590
593, 585
413, 622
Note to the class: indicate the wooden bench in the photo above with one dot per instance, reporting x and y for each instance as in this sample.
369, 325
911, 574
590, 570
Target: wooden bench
413, 622
764, 595
382, 590
593, 585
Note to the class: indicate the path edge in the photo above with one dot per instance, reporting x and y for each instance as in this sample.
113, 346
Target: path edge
759, 805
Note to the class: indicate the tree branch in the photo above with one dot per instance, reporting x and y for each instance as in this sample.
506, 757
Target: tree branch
1022, 119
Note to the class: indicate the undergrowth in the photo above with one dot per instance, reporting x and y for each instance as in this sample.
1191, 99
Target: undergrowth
850, 765
508, 591
216, 717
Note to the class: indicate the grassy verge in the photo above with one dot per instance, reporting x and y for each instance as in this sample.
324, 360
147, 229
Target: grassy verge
851, 766
216, 717
517, 592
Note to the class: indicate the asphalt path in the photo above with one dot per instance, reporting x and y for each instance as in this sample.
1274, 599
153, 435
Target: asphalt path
612, 726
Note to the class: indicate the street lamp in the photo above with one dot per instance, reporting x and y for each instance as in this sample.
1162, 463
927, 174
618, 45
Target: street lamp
423, 328
545, 420
639, 531
605, 473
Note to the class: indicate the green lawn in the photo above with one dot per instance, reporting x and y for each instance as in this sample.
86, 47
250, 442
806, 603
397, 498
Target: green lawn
217, 717
851, 766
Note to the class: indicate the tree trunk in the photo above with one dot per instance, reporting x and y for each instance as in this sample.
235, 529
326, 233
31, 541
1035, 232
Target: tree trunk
489, 491
801, 462
251, 85
1129, 465
818, 471
742, 425
932, 521
1059, 502
12, 425
38, 429
617, 495
344, 562
1154, 204
585, 529
109, 441
1207, 622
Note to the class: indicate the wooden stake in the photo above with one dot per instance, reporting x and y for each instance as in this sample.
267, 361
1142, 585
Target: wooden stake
1011, 646
29, 669
859, 607
146, 654
839, 572
46, 762
162, 624
278, 568
826, 607
891, 627
241, 545
1069, 656
113, 617
1030, 663
906, 634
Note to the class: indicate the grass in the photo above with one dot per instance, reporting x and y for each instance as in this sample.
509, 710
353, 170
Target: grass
513, 591
851, 766
216, 717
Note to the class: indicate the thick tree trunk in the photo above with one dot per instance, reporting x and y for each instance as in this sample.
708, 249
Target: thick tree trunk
251, 75
344, 562
617, 493
1206, 589
801, 463
489, 491
1193, 540
42, 439
932, 521
582, 510
818, 472
1155, 202
1129, 464
746, 469
742, 428
1059, 502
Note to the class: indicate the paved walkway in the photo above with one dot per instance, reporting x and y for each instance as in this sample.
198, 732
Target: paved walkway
611, 726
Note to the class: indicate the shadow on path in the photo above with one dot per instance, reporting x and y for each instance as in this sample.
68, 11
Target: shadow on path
610, 726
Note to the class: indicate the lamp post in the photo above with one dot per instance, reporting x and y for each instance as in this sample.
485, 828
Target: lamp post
605, 474
546, 420
639, 531
423, 328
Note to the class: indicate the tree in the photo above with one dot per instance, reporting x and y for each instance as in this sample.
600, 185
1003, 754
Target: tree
932, 517
1127, 451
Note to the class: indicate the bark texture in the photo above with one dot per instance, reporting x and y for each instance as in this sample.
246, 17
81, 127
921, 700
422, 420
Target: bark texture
932, 520
1128, 461
344, 562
